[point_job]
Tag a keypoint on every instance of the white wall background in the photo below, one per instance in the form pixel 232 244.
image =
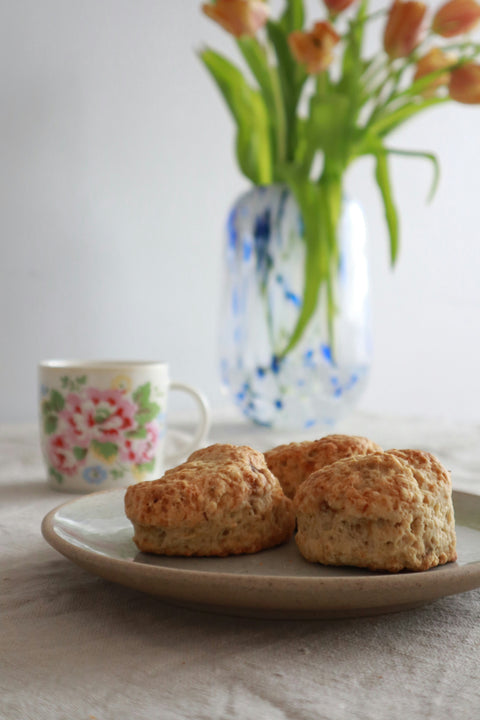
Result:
pixel 115 179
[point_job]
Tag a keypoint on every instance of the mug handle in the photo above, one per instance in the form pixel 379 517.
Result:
pixel 203 426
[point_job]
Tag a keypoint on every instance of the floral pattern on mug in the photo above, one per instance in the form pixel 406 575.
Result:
pixel 101 432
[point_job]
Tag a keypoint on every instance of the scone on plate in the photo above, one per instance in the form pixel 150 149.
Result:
pixel 294 462
pixel 223 501
pixel 385 511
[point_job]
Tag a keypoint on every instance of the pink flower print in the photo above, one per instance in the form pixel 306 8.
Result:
pixel 140 451
pixel 113 414
pixel 79 420
pixel 102 415
pixel 61 455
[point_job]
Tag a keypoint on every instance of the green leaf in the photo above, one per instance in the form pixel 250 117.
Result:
pixel 292 77
pixel 320 208
pixel 327 129
pixel 50 424
pixel 82 380
pixel 101 415
pixel 147 413
pixel 57 402
pixel 269 84
pixel 293 17
pixel 426 156
pixel 140 433
pixel 386 123
pixel 80 453
pixel 142 394
pixel 116 473
pixel 56 475
pixel 146 467
pixel 350 82
pixel 253 144
pixel 106 450
pixel 383 180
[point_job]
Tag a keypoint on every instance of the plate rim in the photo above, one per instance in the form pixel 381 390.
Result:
pixel 408 589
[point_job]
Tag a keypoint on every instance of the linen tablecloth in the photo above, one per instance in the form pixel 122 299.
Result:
pixel 76 647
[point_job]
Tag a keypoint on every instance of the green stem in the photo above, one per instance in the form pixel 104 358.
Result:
pixel 320 205
pixel 281 116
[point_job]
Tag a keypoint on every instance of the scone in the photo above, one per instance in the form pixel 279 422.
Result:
pixel 386 511
pixel 223 501
pixel 293 463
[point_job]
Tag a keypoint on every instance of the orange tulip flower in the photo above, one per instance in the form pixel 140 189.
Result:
pixel 404 28
pixel 239 17
pixel 434 60
pixel 464 86
pixel 337 6
pixel 456 17
pixel 314 49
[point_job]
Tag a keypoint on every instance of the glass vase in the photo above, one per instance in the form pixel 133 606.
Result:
pixel 321 378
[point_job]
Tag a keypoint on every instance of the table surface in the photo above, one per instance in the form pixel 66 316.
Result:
pixel 76 647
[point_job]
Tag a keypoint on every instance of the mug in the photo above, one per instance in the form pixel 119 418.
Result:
pixel 103 423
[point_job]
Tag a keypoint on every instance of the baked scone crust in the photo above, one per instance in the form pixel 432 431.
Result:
pixel 385 511
pixel 222 501
pixel 294 462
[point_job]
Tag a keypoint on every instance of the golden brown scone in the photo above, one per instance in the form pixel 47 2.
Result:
pixel 386 511
pixel 222 501
pixel 293 463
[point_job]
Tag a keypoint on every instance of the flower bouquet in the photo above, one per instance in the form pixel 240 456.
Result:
pixel 313 102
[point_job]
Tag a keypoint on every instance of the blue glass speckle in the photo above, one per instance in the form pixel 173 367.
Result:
pixel 276 364
pixel 278 404
pixel 238 335
pixel 247 248
pixel 261 238
pixel 309 359
pixel 338 392
pixel 261 372
pixel 295 299
pixel 232 229
pixel 310 423
pixel 326 351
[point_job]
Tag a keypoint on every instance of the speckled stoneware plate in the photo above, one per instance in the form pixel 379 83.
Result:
pixel 94 533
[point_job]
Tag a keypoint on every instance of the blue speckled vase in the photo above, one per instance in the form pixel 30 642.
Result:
pixel 315 384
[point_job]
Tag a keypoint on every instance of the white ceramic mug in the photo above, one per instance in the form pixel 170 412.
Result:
pixel 103 423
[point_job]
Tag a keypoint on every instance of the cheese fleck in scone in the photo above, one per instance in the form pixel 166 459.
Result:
pixel 223 501
pixel 294 462
pixel 385 511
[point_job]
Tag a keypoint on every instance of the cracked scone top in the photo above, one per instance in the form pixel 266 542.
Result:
pixel 385 511
pixel 294 462
pixel 222 501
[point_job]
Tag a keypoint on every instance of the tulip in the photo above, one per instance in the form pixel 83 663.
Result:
pixel 404 28
pixel 464 86
pixel 239 17
pixel 337 6
pixel 314 49
pixel 434 60
pixel 456 17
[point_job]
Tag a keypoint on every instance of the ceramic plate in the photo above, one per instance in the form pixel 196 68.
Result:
pixel 94 533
